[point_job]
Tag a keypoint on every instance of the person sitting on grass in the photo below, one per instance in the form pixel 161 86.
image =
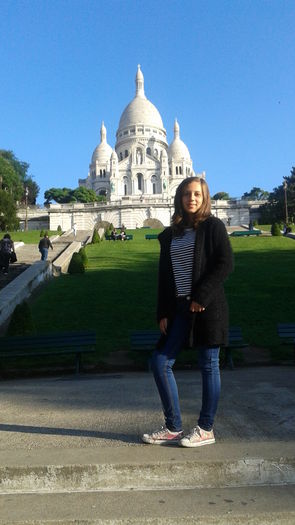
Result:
pixel 114 234
pixel 123 234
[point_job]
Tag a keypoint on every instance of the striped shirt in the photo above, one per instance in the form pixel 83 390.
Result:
pixel 182 257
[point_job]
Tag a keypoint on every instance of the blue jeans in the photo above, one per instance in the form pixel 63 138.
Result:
pixel 162 364
pixel 44 254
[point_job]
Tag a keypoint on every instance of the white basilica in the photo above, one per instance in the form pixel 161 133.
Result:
pixel 139 176
pixel 142 165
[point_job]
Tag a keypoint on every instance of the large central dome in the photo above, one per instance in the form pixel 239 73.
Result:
pixel 140 110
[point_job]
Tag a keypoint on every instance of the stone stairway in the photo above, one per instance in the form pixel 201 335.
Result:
pixel 28 254
pixel 250 484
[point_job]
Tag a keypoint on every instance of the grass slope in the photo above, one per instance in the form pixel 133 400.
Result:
pixel 28 237
pixel 118 291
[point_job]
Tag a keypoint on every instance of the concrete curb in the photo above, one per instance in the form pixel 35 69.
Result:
pixel 147 467
pixel 60 264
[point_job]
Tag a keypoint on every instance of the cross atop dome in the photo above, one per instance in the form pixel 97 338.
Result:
pixel 139 82
pixel 176 130
pixel 103 133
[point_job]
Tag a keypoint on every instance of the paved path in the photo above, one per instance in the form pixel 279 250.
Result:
pixel 112 410
pixel 70 452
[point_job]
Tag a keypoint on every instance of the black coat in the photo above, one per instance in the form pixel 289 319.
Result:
pixel 213 261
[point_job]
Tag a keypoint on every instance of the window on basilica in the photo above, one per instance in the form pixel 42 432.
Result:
pixel 140 181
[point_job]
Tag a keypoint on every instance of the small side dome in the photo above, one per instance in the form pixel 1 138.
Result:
pixel 114 155
pixel 177 149
pixel 103 151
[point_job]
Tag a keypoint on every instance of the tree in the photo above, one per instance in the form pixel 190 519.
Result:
pixel 256 194
pixel 64 195
pixel 221 196
pixel 10 181
pixel 60 195
pixel 274 210
pixel 82 194
pixel 8 218
pixel 20 169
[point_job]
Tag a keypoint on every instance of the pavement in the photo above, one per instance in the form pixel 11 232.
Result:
pixel 70 451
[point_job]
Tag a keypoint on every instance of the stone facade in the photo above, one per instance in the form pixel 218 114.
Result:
pixel 133 213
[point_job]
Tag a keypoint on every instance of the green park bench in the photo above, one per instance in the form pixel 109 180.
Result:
pixel 128 237
pixel 47 345
pixel 286 332
pixel 146 340
pixel 150 236
pixel 243 233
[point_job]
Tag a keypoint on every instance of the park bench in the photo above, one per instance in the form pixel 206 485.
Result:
pixel 150 236
pixel 235 340
pixel 243 233
pixel 286 331
pixel 47 345
pixel 146 340
pixel 128 237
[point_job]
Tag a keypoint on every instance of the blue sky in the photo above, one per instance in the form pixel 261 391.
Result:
pixel 224 68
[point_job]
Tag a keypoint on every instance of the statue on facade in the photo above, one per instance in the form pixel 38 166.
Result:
pixel 139 156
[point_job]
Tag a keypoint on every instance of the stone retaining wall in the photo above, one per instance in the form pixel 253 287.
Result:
pixel 22 286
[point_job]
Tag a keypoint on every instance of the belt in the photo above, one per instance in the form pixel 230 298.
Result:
pixel 183 297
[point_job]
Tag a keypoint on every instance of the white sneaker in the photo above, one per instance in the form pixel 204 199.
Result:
pixel 197 438
pixel 162 437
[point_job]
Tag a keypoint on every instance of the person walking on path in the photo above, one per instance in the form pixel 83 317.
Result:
pixel 44 245
pixel 6 249
pixel 75 230
pixel 195 259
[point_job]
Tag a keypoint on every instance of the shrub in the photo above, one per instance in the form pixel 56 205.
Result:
pixel 76 265
pixel 95 237
pixel 42 233
pixel 21 321
pixel 153 223
pixel 102 224
pixel 59 230
pixel 84 257
pixel 255 223
pixel 275 229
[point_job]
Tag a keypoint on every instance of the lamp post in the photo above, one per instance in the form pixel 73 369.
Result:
pixel 286 202
pixel 26 201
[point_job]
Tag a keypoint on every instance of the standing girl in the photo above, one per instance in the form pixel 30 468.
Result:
pixel 195 259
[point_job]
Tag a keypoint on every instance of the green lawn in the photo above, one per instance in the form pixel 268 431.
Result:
pixel 264 227
pixel 118 291
pixel 115 295
pixel 261 291
pixel 28 237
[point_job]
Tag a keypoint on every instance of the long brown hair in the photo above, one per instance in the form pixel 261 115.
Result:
pixel 180 219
